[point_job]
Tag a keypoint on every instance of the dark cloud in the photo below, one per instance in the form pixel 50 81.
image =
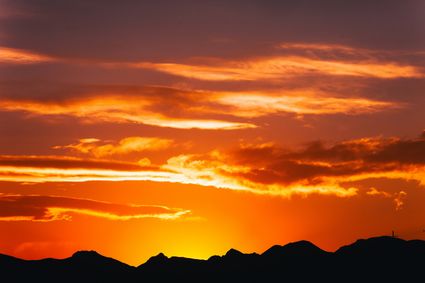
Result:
pixel 271 164
pixel 402 151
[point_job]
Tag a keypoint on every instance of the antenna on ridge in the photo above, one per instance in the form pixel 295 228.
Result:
pixel 393 234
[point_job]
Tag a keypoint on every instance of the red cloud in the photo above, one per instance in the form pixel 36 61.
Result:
pixel 50 208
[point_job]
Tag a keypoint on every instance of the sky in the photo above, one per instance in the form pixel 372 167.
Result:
pixel 194 126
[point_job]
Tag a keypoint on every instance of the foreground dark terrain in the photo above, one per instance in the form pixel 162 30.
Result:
pixel 374 259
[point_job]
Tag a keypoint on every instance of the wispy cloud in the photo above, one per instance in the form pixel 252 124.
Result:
pixel 180 108
pixel 117 109
pixel 126 145
pixel 294 59
pixel 254 104
pixel 51 208
pixel 398 197
pixel 68 163
pixel 280 67
pixel 17 56
pixel 261 169
pixel 30 169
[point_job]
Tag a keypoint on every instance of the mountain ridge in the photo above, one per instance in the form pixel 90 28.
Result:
pixel 379 258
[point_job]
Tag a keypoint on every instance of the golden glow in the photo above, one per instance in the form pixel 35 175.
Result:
pixel 232 183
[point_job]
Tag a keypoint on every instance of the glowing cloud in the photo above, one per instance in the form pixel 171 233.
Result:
pixel 125 146
pixel 209 171
pixel 119 110
pixel 268 169
pixel 302 102
pixel 182 169
pixel 322 47
pixel 150 106
pixel 398 197
pixel 16 56
pixel 270 68
pixel 263 169
pixel 51 208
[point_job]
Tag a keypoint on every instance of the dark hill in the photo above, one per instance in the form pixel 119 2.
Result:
pixel 375 259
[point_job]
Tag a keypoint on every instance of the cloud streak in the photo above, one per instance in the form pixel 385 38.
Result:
pixel 280 67
pixel 307 102
pixel 52 208
pixel 126 145
pixel 39 169
pixel 261 169
pixel 180 108
pixel 117 109
pixel 17 56
pixel 269 169
pixel 296 59
pixel 68 163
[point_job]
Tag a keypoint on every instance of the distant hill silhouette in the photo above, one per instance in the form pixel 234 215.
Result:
pixel 376 259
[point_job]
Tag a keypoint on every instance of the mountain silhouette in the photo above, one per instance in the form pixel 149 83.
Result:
pixel 367 260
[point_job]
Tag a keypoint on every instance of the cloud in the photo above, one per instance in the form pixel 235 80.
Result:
pixel 116 109
pixel 219 170
pixel 304 102
pixel 257 168
pixel 127 145
pixel 36 169
pixel 68 163
pixel 375 192
pixel 397 197
pixel 51 208
pixel 398 200
pixel 349 53
pixel 371 150
pixel 17 56
pixel 183 169
pixel 178 108
pixel 291 60
pixel 363 63
pixel 269 169
pixel 347 159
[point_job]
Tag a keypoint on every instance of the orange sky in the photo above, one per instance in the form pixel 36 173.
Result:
pixel 232 127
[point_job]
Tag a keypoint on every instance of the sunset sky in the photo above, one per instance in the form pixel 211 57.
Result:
pixel 194 126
